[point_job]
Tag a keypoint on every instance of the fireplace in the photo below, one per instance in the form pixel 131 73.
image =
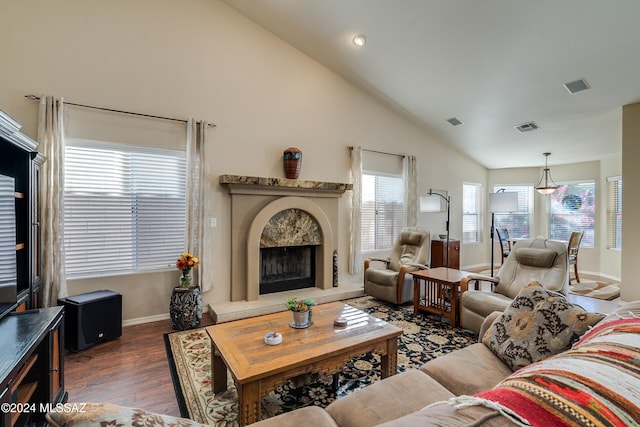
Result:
pixel 270 214
pixel 287 268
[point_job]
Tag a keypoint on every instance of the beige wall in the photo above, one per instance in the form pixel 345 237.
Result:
pixel 199 58
pixel 630 289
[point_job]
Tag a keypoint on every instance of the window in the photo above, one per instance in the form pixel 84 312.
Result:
pixel 471 226
pixel 382 210
pixel 572 208
pixel 614 212
pixel 124 208
pixel 517 223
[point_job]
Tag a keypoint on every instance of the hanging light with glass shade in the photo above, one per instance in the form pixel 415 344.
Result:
pixel 549 185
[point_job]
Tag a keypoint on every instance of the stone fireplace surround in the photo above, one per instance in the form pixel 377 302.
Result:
pixel 254 201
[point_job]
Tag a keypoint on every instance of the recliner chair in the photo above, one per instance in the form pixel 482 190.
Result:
pixel 392 283
pixel 542 260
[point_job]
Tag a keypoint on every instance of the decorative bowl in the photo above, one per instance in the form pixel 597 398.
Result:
pixel 442 236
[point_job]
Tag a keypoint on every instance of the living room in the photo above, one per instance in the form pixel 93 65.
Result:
pixel 292 101
pixel 204 59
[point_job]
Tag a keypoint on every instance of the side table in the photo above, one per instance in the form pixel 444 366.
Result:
pixel 437 291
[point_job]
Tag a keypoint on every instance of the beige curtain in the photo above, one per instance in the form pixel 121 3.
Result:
pixel 410 190
pixel 355 232
pixel 198 240
pixel 52 145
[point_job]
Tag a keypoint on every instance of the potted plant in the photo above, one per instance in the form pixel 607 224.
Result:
pixel 185 308
pixel 301 311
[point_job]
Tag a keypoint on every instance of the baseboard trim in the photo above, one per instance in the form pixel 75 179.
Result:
pixel 147 319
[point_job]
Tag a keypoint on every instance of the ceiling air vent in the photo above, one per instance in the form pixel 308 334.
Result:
pixel 454 121
pixel 526 127
pixel 577 86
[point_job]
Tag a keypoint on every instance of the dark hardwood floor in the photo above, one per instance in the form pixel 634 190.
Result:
pixel 133 370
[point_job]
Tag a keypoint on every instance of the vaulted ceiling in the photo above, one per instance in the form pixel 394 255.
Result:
pixel 492 64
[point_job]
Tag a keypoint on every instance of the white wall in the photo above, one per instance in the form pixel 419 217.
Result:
pixel 200 58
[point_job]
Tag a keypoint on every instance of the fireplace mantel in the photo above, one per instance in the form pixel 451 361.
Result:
pixel 238 184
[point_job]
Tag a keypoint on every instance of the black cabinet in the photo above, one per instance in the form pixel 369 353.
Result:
pixel 31 364
pixel 20 161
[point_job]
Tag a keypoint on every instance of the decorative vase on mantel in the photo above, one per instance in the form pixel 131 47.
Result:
pixel 185 307
pixel 292 162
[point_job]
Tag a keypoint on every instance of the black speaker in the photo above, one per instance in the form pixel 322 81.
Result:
pixel 91 318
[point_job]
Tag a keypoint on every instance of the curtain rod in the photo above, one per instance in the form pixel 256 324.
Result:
pixel 350 147
pixel 37 98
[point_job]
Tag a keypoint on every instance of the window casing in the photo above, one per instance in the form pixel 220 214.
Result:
pixel 572 207
pixel 518 223
pixel 125 208
pixel 614 212
pixel 471 218
pixel 382 210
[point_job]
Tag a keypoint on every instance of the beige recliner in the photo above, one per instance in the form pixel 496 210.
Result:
pixel 542 260
pixel 391 282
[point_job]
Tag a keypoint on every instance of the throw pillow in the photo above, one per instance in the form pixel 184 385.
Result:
pixel 595 383
pixel 538 323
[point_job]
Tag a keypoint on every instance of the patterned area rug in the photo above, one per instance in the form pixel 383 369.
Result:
pixel 589 288
pixel 189 353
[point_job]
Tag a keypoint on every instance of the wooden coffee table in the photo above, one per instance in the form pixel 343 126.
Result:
pixel 257 368
pixel 437 291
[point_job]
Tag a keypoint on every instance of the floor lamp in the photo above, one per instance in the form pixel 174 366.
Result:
pixel 431 203
pixel 500 202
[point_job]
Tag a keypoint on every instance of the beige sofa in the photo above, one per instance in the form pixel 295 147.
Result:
pixel 437 394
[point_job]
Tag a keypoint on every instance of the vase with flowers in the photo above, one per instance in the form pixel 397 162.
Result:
pixel 185 308
pixel 185 263
pixel 301 311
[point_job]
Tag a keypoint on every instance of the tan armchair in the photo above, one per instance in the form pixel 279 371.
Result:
pixel 391 281
pixel 542 260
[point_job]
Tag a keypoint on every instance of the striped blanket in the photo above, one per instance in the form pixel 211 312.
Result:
pixel 595 383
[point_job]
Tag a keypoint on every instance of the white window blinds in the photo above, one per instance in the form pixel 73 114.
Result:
pixel 382 211
pixel 614 213
pixel 572 207
pixel 124 208
pixel 471 227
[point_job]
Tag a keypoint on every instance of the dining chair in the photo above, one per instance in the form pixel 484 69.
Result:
pixel 572 248
pixel 505 243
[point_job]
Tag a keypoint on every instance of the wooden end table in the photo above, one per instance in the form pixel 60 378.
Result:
pixel 258 368
pixel 437 291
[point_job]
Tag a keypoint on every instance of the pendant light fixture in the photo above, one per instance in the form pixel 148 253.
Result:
pixel 549 186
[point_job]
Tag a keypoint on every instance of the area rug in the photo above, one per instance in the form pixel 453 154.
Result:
pixel 189 353
pixel 600 290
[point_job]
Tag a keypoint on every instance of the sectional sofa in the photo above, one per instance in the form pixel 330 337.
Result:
pixel 542 362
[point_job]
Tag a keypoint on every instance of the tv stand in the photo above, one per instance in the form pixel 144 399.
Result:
pixel 31 365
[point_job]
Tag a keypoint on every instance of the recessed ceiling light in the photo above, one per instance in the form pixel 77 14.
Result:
pixel 359 40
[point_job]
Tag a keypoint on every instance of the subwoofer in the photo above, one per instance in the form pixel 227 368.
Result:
pixel 91 318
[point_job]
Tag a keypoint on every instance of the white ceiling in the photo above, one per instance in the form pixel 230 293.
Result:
pixel 493 64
